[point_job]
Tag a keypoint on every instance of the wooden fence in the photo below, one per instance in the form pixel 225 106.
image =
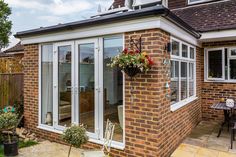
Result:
pixel 11 88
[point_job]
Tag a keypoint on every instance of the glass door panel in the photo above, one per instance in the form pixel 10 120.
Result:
pixel 113 87
pixel 64 86
pixel 87 86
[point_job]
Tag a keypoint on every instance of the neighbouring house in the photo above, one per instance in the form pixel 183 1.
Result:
pixel 67 80
pixel 11 59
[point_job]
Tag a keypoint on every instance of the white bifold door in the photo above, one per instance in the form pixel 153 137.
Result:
pixel 86 90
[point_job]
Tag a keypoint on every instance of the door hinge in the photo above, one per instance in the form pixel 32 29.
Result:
pixel 98 48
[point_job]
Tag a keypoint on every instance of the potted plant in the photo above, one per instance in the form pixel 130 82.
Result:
pixel 75 136
pixel 132 62
pixel 8 122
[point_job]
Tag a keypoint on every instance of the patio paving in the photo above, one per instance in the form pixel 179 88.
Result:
pixel 203 142
pixel 48 149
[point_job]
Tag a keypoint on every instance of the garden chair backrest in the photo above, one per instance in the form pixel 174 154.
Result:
pixel 110 127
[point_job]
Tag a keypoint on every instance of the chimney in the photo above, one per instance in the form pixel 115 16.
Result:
pixel 129 3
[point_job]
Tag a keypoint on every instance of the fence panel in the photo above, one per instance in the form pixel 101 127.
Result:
pixel 11 88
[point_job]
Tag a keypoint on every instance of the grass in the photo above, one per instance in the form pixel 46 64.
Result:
pixel 22 144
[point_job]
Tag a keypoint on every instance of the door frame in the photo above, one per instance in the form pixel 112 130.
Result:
pixel 97 86
pixel 56 83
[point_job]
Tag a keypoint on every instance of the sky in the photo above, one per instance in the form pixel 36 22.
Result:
pixel 31 14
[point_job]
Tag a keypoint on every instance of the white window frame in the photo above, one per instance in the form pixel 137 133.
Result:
pixel 207 65
pixel 229 57
pixel 188 60
pixel 197 2
pixel 114 144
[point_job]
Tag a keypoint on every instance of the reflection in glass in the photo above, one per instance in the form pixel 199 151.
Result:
pixel 64 85
pixel 191 79
pixel 184 51
pixel 184 83
pixel 215 61
pixel 113 88
pixel 232 66
pixel 47 84
pixel 191 53
pixel 174 86
pixel 86 94
pixel 175 48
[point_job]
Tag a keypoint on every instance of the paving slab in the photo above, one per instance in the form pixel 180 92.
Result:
pixel 48 149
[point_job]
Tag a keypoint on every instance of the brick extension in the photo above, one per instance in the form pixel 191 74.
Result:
pixel 212 92
pixel 152 130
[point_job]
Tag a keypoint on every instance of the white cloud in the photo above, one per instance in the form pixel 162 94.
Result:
pixel 55 7
pixel 30 4
pixel 73 6
pixel 51 19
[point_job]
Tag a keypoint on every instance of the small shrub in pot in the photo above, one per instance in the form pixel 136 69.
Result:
pixel 75 136
pixel 8 122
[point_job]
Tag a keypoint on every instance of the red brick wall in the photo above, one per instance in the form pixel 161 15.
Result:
pixel 174 4
pixel 151 130
pixel 212 92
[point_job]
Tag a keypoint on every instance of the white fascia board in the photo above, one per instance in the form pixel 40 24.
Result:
pixel 106 29
pixel 114 28
pixel 218 36
pixel 178 32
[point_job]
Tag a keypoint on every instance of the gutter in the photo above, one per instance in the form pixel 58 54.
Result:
pixel 156 10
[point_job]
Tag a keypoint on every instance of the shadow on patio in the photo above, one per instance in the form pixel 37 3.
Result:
pixel 203 142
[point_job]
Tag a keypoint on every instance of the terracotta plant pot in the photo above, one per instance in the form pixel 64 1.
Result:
pixel 132 71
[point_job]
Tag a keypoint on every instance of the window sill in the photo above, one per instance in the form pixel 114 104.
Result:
pixel 183 103
pixel 221 81
pixel 116 145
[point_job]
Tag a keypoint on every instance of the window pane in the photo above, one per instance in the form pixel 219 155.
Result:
pixel 215 64
pixel 86 79
pixel 233 52
pixel 47 84
pixel 191 53
pixel 232 69
pixel 113 88
pixel 191 79
pixel 183 80
pixel 175 48
pixel 64 85
pixel 174 86
pixel 184 51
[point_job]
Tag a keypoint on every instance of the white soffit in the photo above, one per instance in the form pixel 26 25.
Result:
pixel 223 35
pixel 114 28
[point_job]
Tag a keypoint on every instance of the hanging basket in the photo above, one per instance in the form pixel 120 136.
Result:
pixel 132 71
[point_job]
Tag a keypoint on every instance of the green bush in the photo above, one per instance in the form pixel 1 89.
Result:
pixel 8 120
pixel 75 136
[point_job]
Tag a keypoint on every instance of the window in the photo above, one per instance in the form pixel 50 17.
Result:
pixel 113 87
pixel 46 84
pixel 198 1
pixel 215 60
pixel 220 64
pixel 76 86
pixel 183 84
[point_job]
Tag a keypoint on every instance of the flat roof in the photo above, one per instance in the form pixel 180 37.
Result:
pixel 156 10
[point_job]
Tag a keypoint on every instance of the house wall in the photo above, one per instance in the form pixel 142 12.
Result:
pixel 212 92
pixel 175 4
pixel 151 129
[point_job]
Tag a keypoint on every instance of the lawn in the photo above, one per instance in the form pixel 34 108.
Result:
pixel 22 144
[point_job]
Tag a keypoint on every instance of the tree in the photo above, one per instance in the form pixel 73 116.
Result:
pixel 5 24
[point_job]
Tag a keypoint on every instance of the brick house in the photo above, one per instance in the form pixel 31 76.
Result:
pixel 193 45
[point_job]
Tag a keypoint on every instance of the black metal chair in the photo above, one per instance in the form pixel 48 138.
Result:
pixel 232 124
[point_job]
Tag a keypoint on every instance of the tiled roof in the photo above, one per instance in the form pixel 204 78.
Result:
pixel 206 17
pixel 210 17
pixel 17 48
